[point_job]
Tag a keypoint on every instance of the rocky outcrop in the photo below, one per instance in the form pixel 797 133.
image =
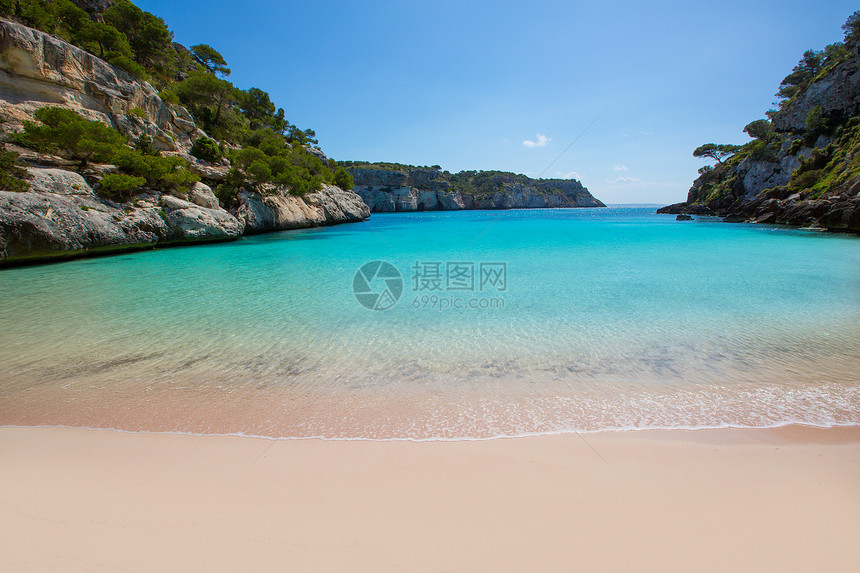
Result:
pixel 277 210
pixel 427 190
pixel 837 94
pixel 38 70
pixel 63 218
pixel 794 175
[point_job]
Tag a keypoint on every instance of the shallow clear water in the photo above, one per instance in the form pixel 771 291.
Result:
pixel 538 321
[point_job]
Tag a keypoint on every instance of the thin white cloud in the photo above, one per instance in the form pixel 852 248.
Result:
pixel 620 168
pixel 624 180
pixel 541 141
pixel 568 175
pixel 646 132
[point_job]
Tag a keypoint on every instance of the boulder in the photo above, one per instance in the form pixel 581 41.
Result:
pixel 190 222
pixel 279 210
pixel 37 226
pixel 58 181
pixel 202 195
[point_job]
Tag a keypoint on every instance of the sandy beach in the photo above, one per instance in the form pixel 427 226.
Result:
pixel 710 500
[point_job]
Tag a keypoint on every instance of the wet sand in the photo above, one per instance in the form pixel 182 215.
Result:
pixel 711 500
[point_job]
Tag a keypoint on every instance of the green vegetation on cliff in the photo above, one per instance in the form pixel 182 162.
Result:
pixel 12 176
pixel 63 131
pixel 126 36
pixel 243 126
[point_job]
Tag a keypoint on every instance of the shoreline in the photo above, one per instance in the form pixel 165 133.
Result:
pixel 802 426
pixel 670 500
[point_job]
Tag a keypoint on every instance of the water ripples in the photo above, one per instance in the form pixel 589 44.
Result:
pixel 613 320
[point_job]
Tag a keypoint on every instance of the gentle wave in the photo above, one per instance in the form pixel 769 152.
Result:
pixel 442 439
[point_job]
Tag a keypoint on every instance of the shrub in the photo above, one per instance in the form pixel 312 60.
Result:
pixel 228 190
pixel 815 122
pixel 206 149
pixel 795 146
pixel 115 185
pixel 158 171
pixel 64 131
pixel 343 179
pixel 143 144
pixel 806 179
pixel 137 112
pixel 244 158
pixel 130 66
pixel 169 96
pixel 11 175
pixel 260 171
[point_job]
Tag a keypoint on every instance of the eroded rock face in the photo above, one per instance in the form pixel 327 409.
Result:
pixel 62 218
pixel 58 181
pixel 838 95
pixel 38 70
pixel 278 210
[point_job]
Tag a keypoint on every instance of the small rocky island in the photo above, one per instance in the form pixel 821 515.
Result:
pixel 802 167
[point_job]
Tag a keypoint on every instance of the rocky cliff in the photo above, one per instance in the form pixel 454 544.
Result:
pixel 37 70
pixel 802 168
pixel 61 216
pixel 421 189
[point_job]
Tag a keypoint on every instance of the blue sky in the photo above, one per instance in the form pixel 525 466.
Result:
pixel 510 85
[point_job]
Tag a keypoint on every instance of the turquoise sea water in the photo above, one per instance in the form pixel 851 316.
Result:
pixel 537 321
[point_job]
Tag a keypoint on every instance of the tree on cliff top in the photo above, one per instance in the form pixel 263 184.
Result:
pixel 211 59
pixel 759 129
pixel 851 27
pixel 148 35
pixel 257 106
pixel 716 151
pixel 211 100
